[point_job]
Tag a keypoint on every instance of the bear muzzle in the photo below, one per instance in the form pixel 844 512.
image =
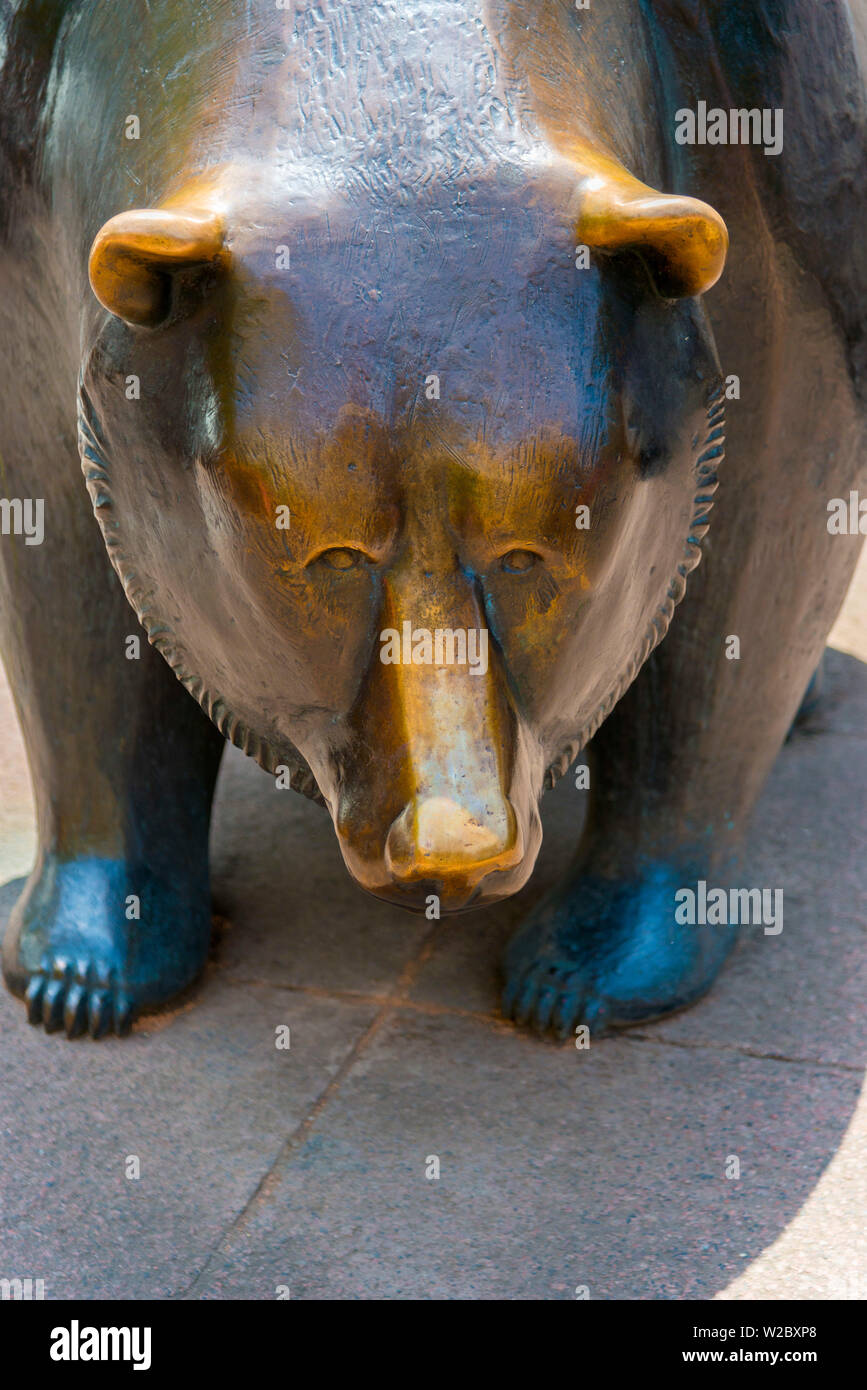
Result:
pixel 436 791
pixel 436 843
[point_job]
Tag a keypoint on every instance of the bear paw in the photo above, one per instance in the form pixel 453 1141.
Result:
pixel 609 954
pixel 91 943
pixel 79 998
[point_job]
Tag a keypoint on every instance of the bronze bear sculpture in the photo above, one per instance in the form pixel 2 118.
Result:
pixel 400 408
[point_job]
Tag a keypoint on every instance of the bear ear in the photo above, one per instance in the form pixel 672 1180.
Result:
pixel 683 242
pixel 134 256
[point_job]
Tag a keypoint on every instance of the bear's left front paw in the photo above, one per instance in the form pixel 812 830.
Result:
pixel 609 954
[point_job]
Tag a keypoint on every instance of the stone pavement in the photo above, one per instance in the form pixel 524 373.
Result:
pixel 305 1167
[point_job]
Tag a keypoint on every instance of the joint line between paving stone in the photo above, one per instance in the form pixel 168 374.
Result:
pixel 635 1035
pixel 293 1142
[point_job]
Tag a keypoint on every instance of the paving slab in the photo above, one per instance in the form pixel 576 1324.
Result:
pixel 558 1168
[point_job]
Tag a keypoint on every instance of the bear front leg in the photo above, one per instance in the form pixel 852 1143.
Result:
pixel 670 798
pixel 115 916
pixel 675 773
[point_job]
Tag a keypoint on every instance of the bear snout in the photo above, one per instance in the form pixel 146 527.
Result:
pixel 436 843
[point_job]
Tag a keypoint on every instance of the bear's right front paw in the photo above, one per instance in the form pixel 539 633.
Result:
pixel 78 998
pixel 92 943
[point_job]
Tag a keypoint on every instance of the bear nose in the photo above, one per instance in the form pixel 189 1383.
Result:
pixel 436 840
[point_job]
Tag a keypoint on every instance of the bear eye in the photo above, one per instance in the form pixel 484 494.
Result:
pixel 340 558
pixel 519 561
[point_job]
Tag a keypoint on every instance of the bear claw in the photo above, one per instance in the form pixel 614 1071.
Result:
pixel 59 996
pixel 551 1005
